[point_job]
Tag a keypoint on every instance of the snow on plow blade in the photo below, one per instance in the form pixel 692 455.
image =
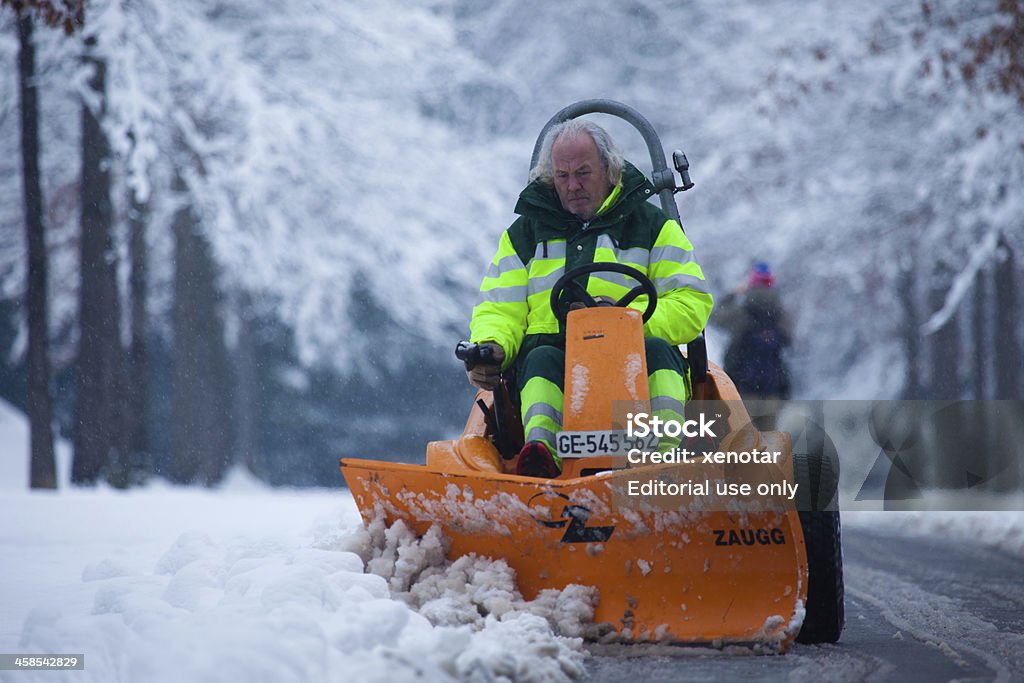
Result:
pixel 714 576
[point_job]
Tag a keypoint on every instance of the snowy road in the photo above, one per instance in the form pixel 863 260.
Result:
pixel 917 609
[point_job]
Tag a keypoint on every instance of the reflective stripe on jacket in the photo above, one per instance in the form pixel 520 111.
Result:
pixel 546 241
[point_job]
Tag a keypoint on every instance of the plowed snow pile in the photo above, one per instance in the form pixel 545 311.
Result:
pixel 247 583
pixel 512 638
pixel 80 576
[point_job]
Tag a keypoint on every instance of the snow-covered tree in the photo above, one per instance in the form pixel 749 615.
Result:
pixel 351 165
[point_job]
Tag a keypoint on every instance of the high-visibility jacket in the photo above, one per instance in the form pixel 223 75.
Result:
pixel 547 240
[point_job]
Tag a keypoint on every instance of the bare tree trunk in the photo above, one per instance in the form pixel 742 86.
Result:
pixel 43 471
pixel 138 357
pixel 979 335
pixel 99 395
pixel 201 447
pixel 1008 341
pixel 946 355
pixel 246 443
pixel 911 332
pixel 183 467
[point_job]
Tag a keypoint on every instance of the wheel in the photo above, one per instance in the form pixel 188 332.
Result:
pixel 818 483
pixel 826 613
pixel 817 503
pixel 567 283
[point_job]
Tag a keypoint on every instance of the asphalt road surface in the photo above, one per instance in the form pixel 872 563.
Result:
pixel 917 609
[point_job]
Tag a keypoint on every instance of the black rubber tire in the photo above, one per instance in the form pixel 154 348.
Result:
pixel 828 482
pixel 817 482
pixel 806 488
pixel 826 612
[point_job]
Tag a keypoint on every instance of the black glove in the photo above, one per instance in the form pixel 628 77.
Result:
pixel 488 375
pixel 601 299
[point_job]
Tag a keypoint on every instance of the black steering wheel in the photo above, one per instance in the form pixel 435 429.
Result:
pixel 568 283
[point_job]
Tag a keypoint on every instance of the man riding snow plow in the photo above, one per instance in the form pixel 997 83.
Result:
pixel 615 483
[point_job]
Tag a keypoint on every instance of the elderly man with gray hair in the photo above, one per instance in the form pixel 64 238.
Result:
pixel 584 204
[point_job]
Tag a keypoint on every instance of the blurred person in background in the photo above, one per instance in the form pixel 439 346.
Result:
pixel 759 331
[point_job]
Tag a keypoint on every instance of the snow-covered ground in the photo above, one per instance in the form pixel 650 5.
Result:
pixel 250 583
pixel 1003 530
pixel 255 584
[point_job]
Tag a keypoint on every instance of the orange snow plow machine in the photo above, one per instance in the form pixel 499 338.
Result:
pixel 676 554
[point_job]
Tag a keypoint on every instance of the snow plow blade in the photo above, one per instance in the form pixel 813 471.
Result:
pixel 712 577
pixel 696 567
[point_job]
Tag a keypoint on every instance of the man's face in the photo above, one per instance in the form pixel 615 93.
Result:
pixel 580 179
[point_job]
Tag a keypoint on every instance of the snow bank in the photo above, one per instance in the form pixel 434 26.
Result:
pixel 251 583
pixel 512 638
pixel 168 584
pixel 1002 530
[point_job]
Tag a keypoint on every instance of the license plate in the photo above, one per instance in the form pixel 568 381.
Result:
pixel 602 442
